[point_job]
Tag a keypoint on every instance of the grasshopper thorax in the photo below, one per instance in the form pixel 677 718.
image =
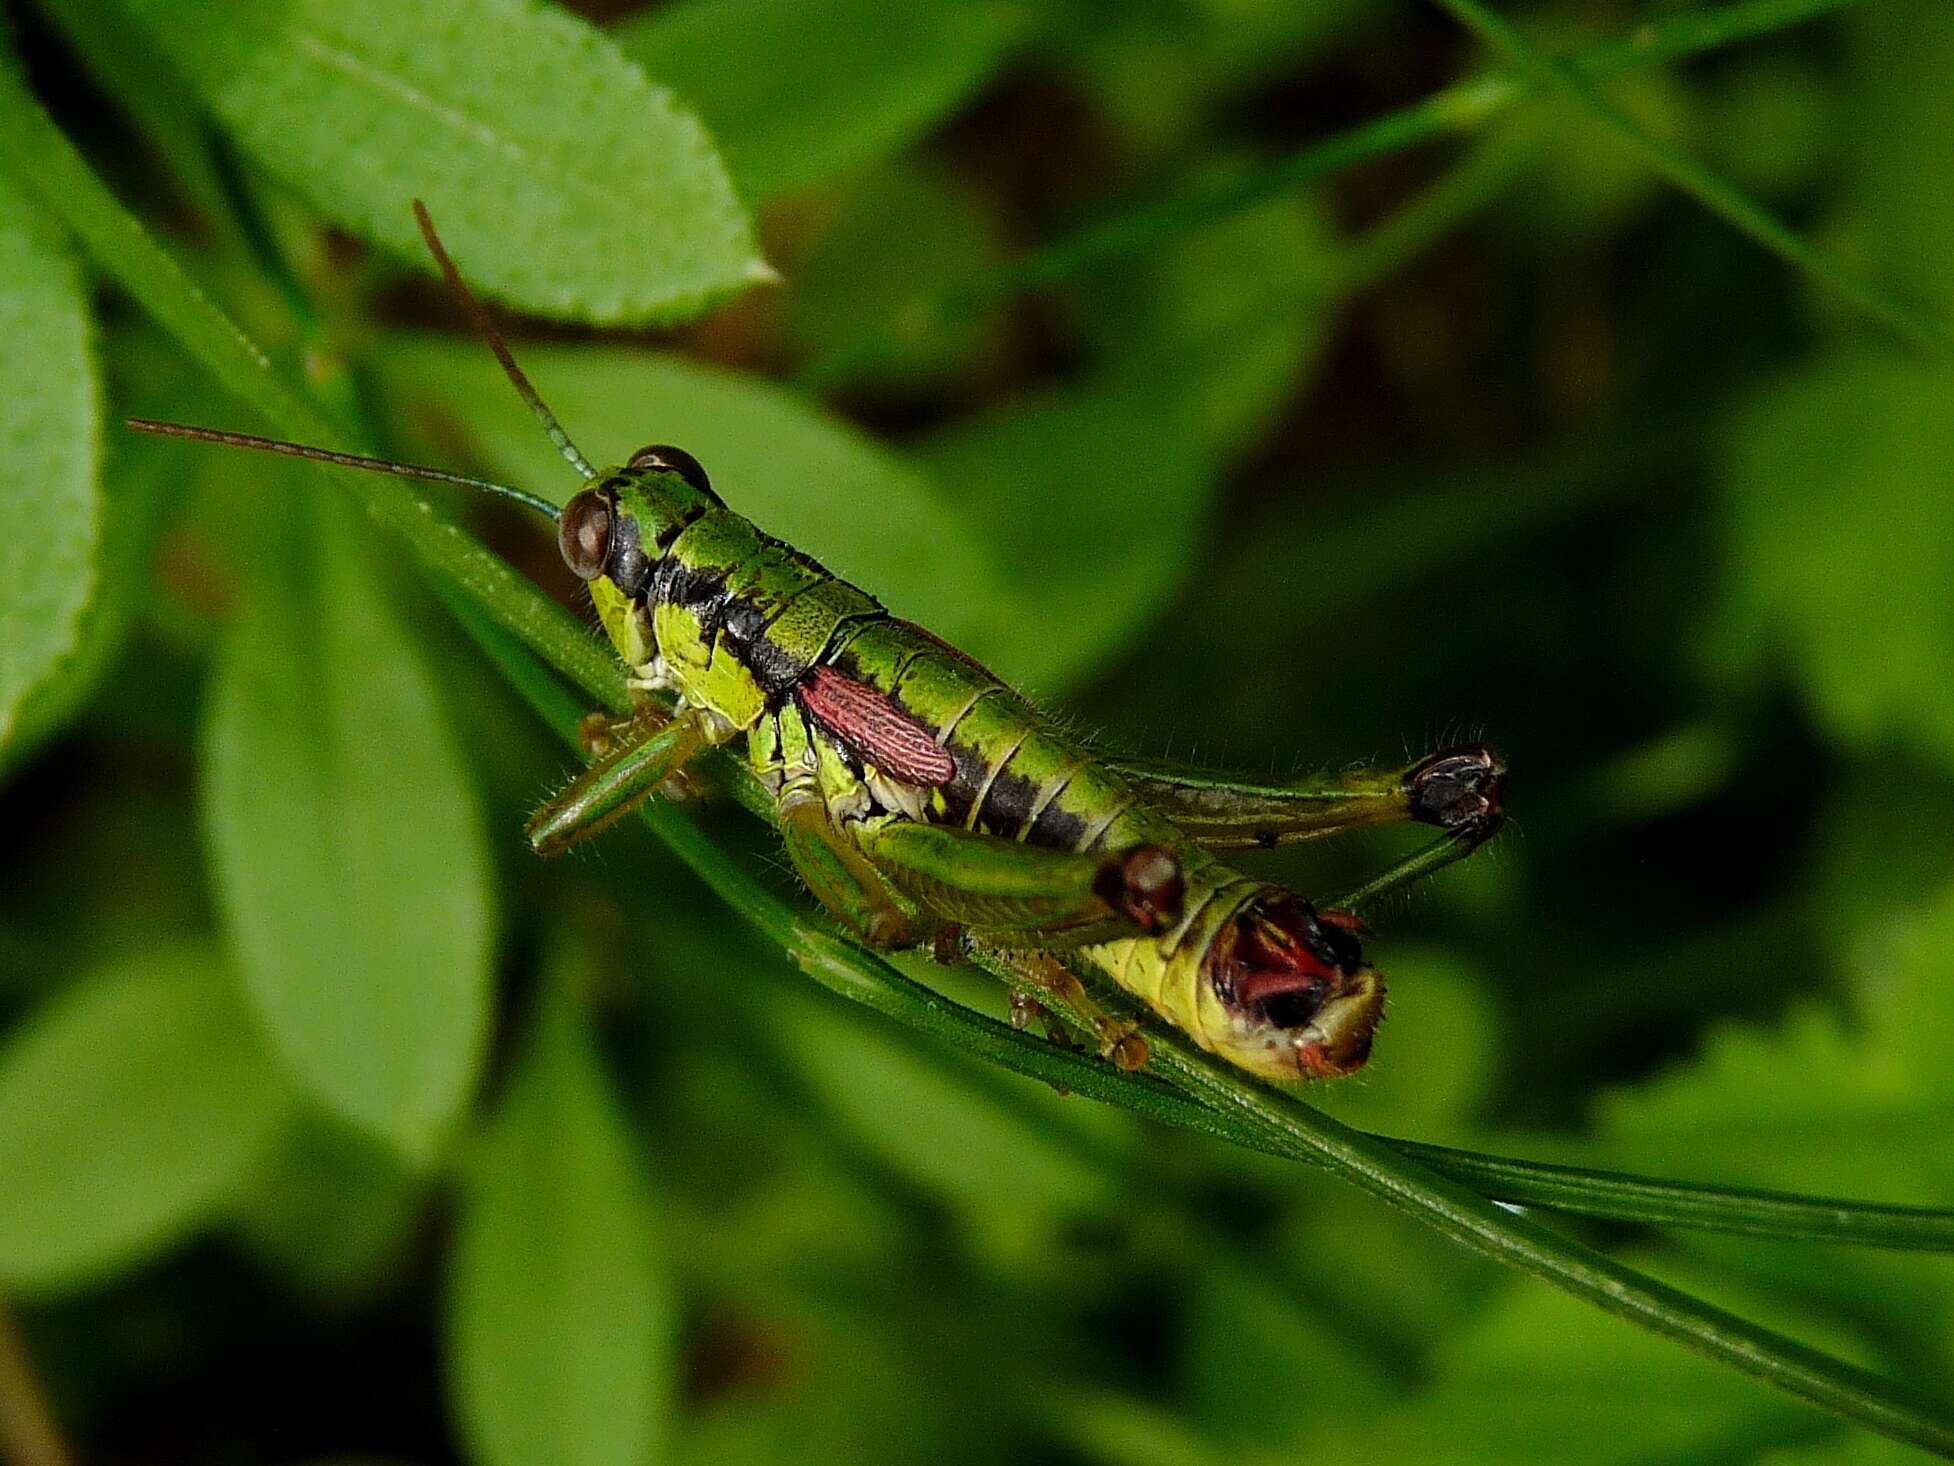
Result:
pixel 618 529
pixel 613 535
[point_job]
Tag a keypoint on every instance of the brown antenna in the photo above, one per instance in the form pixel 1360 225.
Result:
pixel 486 329
pixel 344 460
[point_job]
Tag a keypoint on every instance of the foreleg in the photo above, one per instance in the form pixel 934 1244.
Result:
pixel 645 756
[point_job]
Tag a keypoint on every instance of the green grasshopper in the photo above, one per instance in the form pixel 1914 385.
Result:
pixel 923 801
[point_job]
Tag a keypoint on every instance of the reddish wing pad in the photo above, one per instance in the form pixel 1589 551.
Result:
pixel 880 732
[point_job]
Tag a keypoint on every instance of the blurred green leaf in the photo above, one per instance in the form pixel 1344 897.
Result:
pixel 1776 123
pixel 836 1384
pixel 563 181
pixel 1161 68
pixel 122 64
pixel 1909 1009
pixel 1590 184
pixel 1414 1291
pixel 561 1320
pixel 1098 494
pixel 1538 1378
pixel 331 1210
pixel 1800 1105
pixel 818 484
pixel 1247 1330
pixel 1869 296
pixel 887 74
pixel 1122 1430
pixel 133 1106
pixel 1099 491
pixel 1438 1068
pixel 953 1134
pixel 1902 111
pixel 1852 1449
pixel 1842 539
pixel 866 300
pixel 49 441
pixel 1818 1103
pixel 346 846
pixel 1234 315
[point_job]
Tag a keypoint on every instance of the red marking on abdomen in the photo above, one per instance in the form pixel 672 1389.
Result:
pixel 880 732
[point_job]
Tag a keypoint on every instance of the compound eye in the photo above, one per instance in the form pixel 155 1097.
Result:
pixel 583 533
pixel 673 460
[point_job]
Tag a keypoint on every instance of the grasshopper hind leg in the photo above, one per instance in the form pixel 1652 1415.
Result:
pixel 1460 790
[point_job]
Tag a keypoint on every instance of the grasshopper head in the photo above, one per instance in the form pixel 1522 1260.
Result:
pixel 613 536
pixel 1302 1000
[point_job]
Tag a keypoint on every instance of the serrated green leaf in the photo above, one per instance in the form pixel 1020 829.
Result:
pixel 135 490
pixel 1822 468
pixel 49 432
pixel 133 1106
pixel 347 849
pixel 800 91
pixel 1798 1106
pixel 561 1319
pixel 818 484
pixel 563 181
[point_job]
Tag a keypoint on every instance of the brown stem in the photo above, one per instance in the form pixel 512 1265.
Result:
pixel 28 1433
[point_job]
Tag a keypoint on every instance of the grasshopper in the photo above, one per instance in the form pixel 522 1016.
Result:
pixel 922 801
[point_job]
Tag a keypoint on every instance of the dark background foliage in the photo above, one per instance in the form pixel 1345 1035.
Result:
pixel 335 1126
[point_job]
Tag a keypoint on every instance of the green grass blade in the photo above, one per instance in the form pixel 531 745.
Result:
pixel 1686 33
pixel 1231 1106
pixel 1745 1211
pixel 864 977
pixel 1716 194
pixel 1371 1164
pixel 1461 108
